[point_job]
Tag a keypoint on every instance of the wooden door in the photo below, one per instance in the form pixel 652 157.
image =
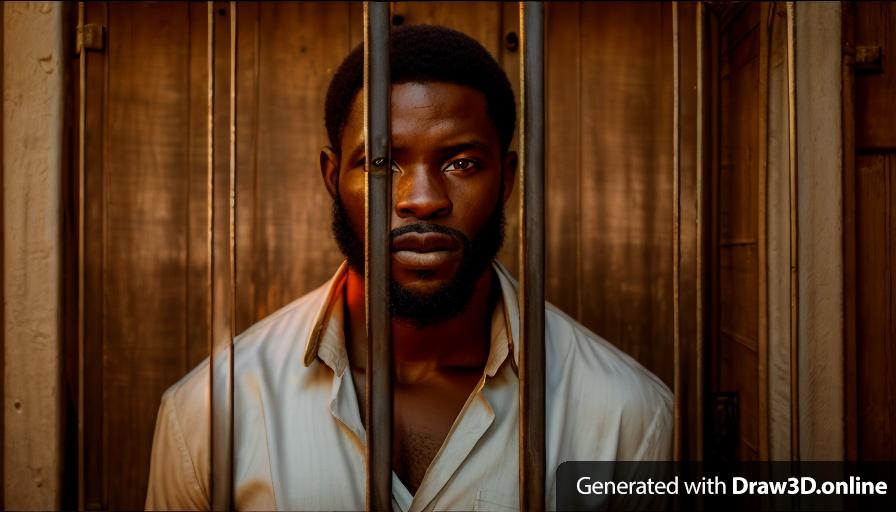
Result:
pixel 870 233
pixel 609 197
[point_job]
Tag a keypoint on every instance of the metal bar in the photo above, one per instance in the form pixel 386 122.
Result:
pixel 794 237
pixel 678 392
pixel 378 208
pixel 532 350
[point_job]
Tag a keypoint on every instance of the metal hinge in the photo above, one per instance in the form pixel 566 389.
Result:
pixel 90 36
pixel 868 60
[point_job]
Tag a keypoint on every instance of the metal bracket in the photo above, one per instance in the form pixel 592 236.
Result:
pixel 868 60
pixel 90 36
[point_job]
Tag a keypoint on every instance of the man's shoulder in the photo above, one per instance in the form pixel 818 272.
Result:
pixel 580 357
pixel 614 408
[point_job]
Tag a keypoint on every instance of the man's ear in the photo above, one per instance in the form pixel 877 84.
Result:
pixel 508 167
pixel 329 170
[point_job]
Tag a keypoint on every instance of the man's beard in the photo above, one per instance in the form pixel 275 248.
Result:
pixel 447 301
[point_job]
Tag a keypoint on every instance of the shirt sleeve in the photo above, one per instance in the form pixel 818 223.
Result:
pixel 173 482
pixel 657 444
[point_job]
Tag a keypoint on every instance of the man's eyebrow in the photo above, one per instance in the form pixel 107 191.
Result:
pixel 453 149
pixel 464 146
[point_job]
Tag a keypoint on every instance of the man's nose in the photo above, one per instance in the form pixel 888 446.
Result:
pixel 421 193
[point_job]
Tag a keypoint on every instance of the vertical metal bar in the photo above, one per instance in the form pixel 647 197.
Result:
pixel 210 238
pixel 676 237
pixel 532 350
pixel 231 463
pixel 701 148
pixel 378 207
pixel 82 189
pixel 794 236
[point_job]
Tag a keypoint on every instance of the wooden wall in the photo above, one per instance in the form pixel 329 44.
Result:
pixel 609 197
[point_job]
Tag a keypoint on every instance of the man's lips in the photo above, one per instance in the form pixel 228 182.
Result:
pixel 424 251
pixel 424 242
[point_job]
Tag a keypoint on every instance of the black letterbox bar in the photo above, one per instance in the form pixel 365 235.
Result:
pixel 532 350
pixel 378 223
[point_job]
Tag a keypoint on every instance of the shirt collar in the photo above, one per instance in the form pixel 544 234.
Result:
pixel 327 338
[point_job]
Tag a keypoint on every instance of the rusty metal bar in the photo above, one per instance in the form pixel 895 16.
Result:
pixel 532 350
pixel 376 276
pixel 794 237
pixel 678 392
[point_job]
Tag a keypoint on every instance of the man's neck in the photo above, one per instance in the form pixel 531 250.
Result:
pixel 460 343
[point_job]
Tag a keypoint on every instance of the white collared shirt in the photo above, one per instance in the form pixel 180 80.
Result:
pixel 299 440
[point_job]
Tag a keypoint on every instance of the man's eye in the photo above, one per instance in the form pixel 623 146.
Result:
pixel 461 164
pixel 361 163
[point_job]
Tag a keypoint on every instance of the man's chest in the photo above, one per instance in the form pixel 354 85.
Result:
pixel 422 423
pixel 310 454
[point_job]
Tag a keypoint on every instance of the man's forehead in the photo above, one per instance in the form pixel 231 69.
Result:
pixel 441 106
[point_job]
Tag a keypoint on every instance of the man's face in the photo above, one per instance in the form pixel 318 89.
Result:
pixel 450 181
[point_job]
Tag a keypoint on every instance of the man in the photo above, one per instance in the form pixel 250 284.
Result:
pixel 300 373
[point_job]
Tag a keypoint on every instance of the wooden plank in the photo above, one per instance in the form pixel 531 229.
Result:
pixel 761 230
pixel 738 285
pixel 479 20
pixel 876 350
pixel 145 242
pixel 564 155
pixel 851 396
pixel 736 316
pixel 509 58
pixel 626 186
pixel 91 464
pixel 738 177
pixel 301 44
pixel 689 240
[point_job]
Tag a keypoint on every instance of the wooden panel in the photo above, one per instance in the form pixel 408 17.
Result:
pixel 869 220
pixel 626 179
pixel 739 157
pixel 738 297
pixel 564 154
pixel 735 330
pixel 480 20
pixel 875 328
pixel 94 251
pixel 875 93
pixel 145 237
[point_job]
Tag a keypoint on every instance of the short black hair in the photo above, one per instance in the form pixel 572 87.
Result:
pixel 426 53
